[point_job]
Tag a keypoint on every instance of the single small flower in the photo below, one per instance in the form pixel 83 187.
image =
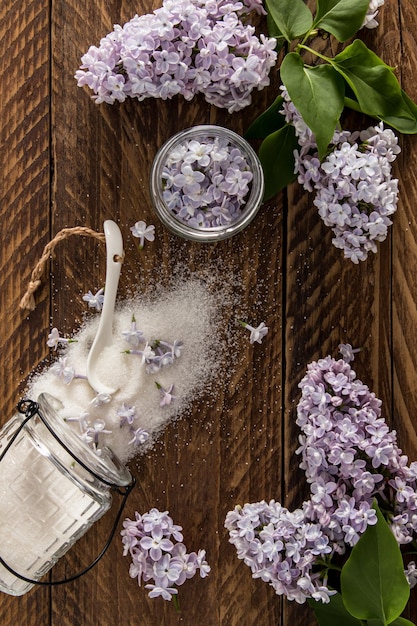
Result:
pixel 126 414
pixel 134 336
pixel 95 301
pixel 143 232
pixel 54 339
pixel 100 399
pixel 166 394
pixel 347 352
pixel 256 334
pixel 93 432
pixel 140 435
pixel 64 370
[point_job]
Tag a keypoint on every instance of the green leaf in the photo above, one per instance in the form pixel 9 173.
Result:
pixel 292 17
pixel 268 122
pixel 277 159
pixel 401 621
pixel 404 125
pixel 318 94
pixel 372 81
pixel 341 18
pixel 373 583
pixel 333 613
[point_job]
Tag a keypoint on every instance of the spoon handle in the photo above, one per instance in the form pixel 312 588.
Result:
pixel 104 335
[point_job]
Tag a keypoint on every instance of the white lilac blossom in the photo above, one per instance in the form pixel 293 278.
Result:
pixel 370 21
pixel 95 301
pixel 159 556
pixel 185 47
pixel 350 458
pixel 143 232
pixel 205 183
pixel 355 193
pixel 256 334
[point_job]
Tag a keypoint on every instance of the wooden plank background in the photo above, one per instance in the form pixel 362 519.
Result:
pixel 67 162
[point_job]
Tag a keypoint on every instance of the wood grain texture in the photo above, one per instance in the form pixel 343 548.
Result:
pixel 67 162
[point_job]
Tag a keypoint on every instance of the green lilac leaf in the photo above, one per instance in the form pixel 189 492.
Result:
pixel 277 159
pixel 268 122
pixel 341 18
pixel 292 17
pixel 333 613
pixel 401 621
pixel 317 93
pixel 373 583
pixel 373 83
pixel 404 125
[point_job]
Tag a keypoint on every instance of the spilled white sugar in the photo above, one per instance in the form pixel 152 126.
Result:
pixel 193 312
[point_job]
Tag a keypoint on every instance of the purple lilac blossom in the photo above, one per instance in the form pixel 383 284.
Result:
pixel 206 182
pixel 155 545
pixel 185 47
pixel 350 457
pixel 354 192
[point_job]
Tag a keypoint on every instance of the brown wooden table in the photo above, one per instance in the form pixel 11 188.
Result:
pixel 66 162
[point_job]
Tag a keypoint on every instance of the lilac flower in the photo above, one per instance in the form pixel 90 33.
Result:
pixel 127 414
pixel 165 592
pixel 64 370
pixel 256 334
pixel 206 182
pixel 54 339
pixel 95 301
pixel 100 399
pixel 347 352
pixel 355 193
pixel 134 336
pixel 93 432
pixel 142 232
pixel 350 458
pixel 140 436
pixel 166 394
pixel 155 557
pixel 185 47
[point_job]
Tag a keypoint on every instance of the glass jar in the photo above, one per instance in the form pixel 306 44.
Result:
pixel 53 487
pixel 203 232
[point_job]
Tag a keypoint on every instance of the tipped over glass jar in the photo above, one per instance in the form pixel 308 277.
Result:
pixel 206 183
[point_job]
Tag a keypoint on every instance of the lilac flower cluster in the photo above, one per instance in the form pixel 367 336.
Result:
pixel 155 355
pixel 280 547
pixel 155 545
pixel 206 182
pixel 185 47
pixel 350 457
pixel 355 193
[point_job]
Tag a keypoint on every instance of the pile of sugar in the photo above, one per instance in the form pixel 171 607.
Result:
pixel 192 311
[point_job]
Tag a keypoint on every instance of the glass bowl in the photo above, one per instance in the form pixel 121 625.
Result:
pixel 169 163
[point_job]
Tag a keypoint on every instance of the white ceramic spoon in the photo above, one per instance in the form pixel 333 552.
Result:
pixel 104 336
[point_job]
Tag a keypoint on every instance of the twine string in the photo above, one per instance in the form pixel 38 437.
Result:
pixel 28 300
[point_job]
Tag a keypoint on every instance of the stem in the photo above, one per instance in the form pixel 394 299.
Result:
pixel 317 54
